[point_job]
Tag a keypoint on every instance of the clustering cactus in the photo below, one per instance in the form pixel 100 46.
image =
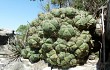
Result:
pixel 61 37
pixel 30 54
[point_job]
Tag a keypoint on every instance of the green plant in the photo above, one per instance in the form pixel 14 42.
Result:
pixel 60 37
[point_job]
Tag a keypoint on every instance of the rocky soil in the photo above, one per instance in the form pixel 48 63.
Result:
pixel 24 64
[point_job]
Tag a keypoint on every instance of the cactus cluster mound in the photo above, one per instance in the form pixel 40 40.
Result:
pixel 61 37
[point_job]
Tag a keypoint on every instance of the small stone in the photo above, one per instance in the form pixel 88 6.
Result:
pixel 92 57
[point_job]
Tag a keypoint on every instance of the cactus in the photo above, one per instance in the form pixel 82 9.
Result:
pixel 60 37
pixel 34 40
pixel 34 57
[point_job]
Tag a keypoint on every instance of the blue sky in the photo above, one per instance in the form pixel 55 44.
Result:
pixel 16 12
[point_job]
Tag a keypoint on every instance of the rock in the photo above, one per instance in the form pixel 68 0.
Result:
pixel 15 66
pixel 47 68
pixel 41 65
pixel 5 35
pixel 4 32
pixel 3 40
pixel 4 50
pixel 92 57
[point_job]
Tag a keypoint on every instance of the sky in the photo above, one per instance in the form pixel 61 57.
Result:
pixel 14 13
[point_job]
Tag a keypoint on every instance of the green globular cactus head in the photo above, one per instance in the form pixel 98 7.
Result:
pixel 79 42
pixel 66 31
pixel 47 26
pixel 55 22
pixel 51 53
pixel 50 26
pixel 41 16
pixel 48 16
pixel 24 53
pixel 35 23
pixel 32 30
pixel 56 12
pixel 40 32
pixel 60 47
pixel 62 10
pixel 34 58
pixel 61 55
pixel 33 41
pixel 49 40
pixel 70 12
pixel 73 62
pixel 59 41
pixel 47 47
pixel 84 47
